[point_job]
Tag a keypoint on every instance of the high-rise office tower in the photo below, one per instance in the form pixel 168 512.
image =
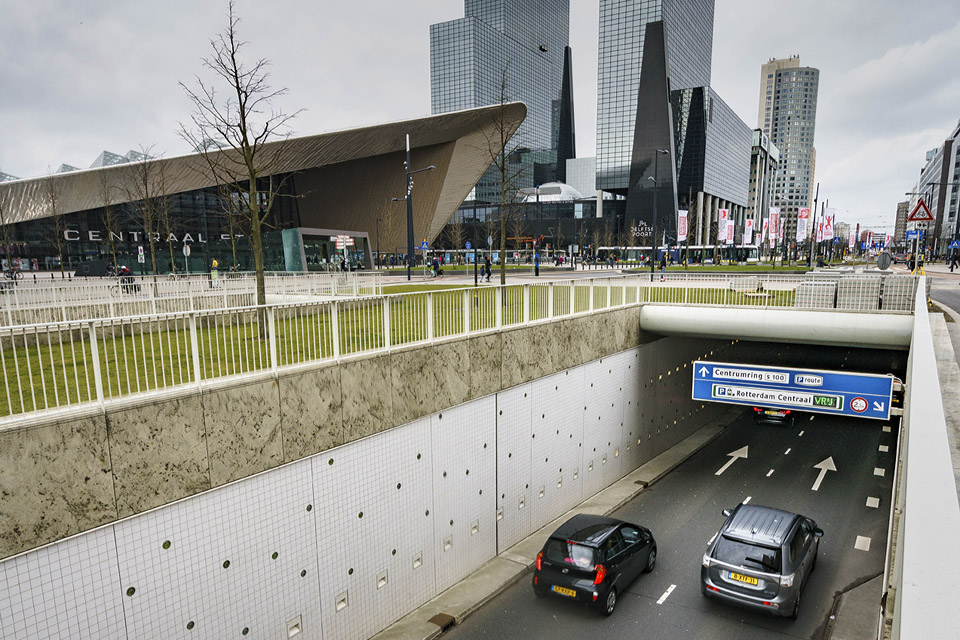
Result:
pixel 517 50
pixel 623 23
pixel 788 115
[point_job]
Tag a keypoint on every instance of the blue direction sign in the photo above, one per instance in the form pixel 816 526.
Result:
pixel 862 395
pixel 468 245
pixel 914 234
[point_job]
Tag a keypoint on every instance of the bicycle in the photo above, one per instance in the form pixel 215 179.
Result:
pixel 13 274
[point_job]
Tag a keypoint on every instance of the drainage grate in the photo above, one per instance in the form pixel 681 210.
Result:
pixel 443 621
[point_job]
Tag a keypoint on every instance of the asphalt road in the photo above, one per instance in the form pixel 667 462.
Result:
pixel 684 512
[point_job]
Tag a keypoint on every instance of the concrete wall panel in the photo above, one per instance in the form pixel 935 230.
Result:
pixel 367 401
pixel 312 406
pixel 55 481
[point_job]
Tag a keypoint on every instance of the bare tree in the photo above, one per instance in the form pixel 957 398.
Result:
pixel 233 134
pixel 145 186
pixel 168 226
pixel 518 229
pixel 109 216
pixel 56 224
pixel 456 233
pixel 501 148
pixel 607 233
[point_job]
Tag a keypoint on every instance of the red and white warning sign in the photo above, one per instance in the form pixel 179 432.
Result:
pixel 920 213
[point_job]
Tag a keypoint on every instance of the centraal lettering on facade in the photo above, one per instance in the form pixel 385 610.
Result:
pixel 752 374
pixel 95 235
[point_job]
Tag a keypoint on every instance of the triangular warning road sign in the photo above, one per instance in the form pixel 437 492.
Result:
pixel 920 213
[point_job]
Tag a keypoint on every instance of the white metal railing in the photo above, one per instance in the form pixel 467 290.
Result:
pixel 86 364
pixel 32 301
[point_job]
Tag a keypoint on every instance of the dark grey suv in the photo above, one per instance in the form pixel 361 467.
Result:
pixel 760 559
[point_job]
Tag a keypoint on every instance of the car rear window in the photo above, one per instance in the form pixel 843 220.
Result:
pixel 748 556
pixel 571 553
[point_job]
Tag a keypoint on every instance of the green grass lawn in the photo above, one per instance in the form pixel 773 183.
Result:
pixel 46 370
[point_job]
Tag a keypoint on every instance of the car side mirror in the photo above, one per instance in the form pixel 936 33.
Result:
pixel 727 513
pixel 818 532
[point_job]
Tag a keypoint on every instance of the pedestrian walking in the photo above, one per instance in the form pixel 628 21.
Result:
pixel 663 267
pixel 953 261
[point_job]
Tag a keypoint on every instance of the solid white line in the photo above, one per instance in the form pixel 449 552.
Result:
pixel 747 501
pixel 801 434
pixel 770 473
pixel 666 594
pixel 884 448
pixel 862 543
pixel 787 452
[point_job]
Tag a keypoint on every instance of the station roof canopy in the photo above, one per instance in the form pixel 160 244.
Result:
pixel 464 135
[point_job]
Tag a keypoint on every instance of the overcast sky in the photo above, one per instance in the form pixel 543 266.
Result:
pixel 82 76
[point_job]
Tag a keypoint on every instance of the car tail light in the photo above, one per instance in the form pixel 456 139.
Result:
pixel 539 561
pixel 712 588
pixel 601 572
pixel 786 412
pixel 535 581
pixel 757 409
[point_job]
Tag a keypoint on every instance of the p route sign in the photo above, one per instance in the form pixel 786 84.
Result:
pixel 861 395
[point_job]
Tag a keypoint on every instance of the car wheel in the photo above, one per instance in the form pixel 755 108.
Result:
pixel 796 608
pixel 611 602
pixel 651 561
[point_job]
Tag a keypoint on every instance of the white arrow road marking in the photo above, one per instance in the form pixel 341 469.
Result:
pixel 666 594
pixel 878 406
pixel 704 371
pixel 824 466
pixel 739 453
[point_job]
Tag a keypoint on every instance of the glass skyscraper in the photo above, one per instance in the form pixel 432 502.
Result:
pixel 689 46
pixel 788 114
pixel 517 50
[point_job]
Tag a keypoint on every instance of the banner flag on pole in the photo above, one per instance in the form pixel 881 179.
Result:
pixel 731 228
pixel 828 224
pixel 803 215
pixel 774 225
pixel 820 231
pixel 681 224
pixel 853 239
pixel 748 231
pixel 723 218
pixel 763 231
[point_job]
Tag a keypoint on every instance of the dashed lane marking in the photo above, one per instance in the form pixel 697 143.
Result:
pixel 862 544
pixel 886 429
pixel 877 471
pixel 747 500
pixel 811 417
pixel 770 473
pixel 666 594
pixel 787 452
pixel 873 503
pixel 801 434
pixel 884 448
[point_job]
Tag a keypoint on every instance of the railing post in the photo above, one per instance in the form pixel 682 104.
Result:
pixel 467 308
pixel 272 338
pixel 609 292
pixel 592 282
pixel 498 312
pixel 95 355
pixel 195 349
pixel 430 316
pixel 573 297
pixel 386 322
pixel 335 329
pixel 525 317
pixel 550 301
pixel 153 299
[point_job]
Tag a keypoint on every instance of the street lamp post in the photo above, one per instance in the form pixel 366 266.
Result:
pixel 656 187
pixel 409 198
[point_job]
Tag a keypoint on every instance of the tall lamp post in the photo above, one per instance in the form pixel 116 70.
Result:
pixel 656 187
pixel 409 198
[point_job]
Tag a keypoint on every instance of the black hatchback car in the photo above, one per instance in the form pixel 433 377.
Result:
pixel 769 415
pixel 590 559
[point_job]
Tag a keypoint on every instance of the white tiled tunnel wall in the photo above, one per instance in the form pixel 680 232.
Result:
pixel 601 424
pixel 556 438
pixel 632 452
pixel 513 465
pixel 67 590
pixel 205 567
pixel 465 485
pixel 376 567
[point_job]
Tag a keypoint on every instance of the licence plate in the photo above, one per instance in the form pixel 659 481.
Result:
pixel 779 414
pixel 564 591
pixel 745 579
